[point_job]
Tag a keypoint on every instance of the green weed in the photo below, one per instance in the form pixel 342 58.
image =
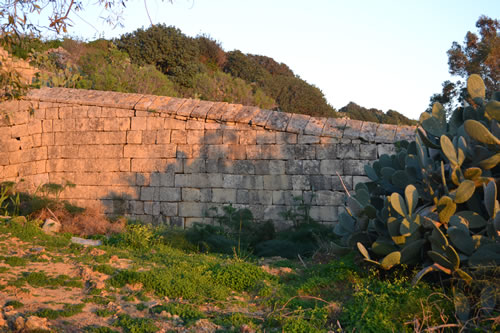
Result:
pixel 135 325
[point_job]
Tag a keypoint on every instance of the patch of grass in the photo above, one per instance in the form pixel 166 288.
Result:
pixel 31 232
pixel 135 325
pixel 68 310
pixel 104 312
pixel 99 329
pixel 4 269
pixel 105 269
pixel 99 300
pixel 239 276
pixel 15 261
pixel 14 303
pixel 187 312
pixel 40 279
pixel 235 320
pixel 141 306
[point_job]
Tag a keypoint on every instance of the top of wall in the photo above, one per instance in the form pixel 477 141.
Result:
pixel 229 113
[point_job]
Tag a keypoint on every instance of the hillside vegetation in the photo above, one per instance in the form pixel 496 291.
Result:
pixel 162 60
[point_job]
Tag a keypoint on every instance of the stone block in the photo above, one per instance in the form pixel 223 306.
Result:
pixel 134 137
pixel 355 167
pixel 331 167
pixel 192 209
pixel 163 136
pixel 278 121
pixel 260 197
pixel 386 133
pixel 304 152
pixel 230 136
pixel 334 127
pixel 169 208
pixel 320 182
pixel 274 213
pixel 326 151
pixel 170 194
pixel 150 151
pixel 213 137
pixel 324 213
pixel 368 151
pixel 359 179
pixel 243 167
pixel 266 137
pixel 386 148
pixel 308 139
pixel 174 124
pixel 368 131
pixel 297 123
pixel 224 195
pixel 315 126
pixel 242 196
pixel 178 136
pixel 147 193
pixel 35 127
pixel 348 151
pixel 286 138
pixel 167 179
pixel 329 198
pixel 152 208
pixel 149 137
pixel 352 129
pixel 117 124
pixel 248 138
pixel 195 136
pixel 338 184
pixel 311 167
pixel 194 166
pixel 235 152
pixel 300 182
pixel 253 152
pixel 277 182
pixel 276 152
pixel 277 167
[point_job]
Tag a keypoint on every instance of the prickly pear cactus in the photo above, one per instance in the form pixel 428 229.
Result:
pixel 435 202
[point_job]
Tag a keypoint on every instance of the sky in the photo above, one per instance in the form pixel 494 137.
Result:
pixel 380 54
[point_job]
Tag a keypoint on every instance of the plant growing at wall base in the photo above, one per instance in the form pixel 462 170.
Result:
pixel 433 203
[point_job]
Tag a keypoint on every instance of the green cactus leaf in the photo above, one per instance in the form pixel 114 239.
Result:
pixel 461 239
pixel 399 204
pixel 412 251
pixel 426 141
pixel 363 197
pixel 475 86
pixel 370 172
pixel 452 256
pixel 399 240
pixel 385 161
pixel 363 250
pixel 423 116
pixel 473 173
pixel 338 250
pixel 449 150
pixel 496 223
pixel 491 162
pixel 409 226
pixel 480 133
pixel 446 208
pixel 464 191
pixel 438 239
pixel 490 198
pixel 422 272
pixel 347 222
pixel 474 220
pixel 440 259
pixel 434 127
pixel 393 226
pixel 485 255
pixel 411 195
pixel 493 110
pixel 439 112
pixel 383 247
pixel 387 172
pixel 391 260
pixel 400 179
pixel 462 150
pixel 488 299
pixel 462 307
pixel 459 222
pixel 354 206
pixel 480 240
pixel 421 152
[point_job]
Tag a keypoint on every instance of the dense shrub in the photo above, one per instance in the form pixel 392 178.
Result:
pixel 354 111
pixel 223 87
pixel 167 48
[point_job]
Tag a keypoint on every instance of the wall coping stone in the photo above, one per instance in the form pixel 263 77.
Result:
pixel 183 108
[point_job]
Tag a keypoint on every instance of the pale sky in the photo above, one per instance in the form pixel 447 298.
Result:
pixel 386 54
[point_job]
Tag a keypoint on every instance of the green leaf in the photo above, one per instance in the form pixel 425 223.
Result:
pixel 422 272
pixel 493 110
pixel 363 250
pixel 446 208
pixel 398 203
pixel 466 277
pixel 490 198
pixel 475 86
pixel 411 195
pixel 490 162
pixel 439 112
pixel 440 259
pixel 412 251
pixel 461 239
pixel 383 247
pixel 474 220
pixel 473 173
pixel 488 299
pixel 339 250
pixel 391 260
pixel 370 172
pixel 480 133
pixel 449 150
pixel 464 191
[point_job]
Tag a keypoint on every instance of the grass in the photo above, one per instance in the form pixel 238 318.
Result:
pixel 232 292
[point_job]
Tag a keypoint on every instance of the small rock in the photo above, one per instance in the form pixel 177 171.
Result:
pixel 51 226
pixel 37 249
pixel 36 323
pixel 3 322
pixel 19 323
pixel 85 242
pixel 19 219
pixel 97 252
pixel 4 217
pixel 246 329
pixel 114 258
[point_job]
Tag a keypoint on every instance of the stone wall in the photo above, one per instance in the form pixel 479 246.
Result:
pixel 22 67
pixel 169 160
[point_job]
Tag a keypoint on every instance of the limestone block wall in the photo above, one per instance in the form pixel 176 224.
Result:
pixel 10 63
pixel 169 160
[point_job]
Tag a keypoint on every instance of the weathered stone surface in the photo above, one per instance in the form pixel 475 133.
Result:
pixel 352 129
pixel 315 126
pixel 278 121
pixel 334 127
